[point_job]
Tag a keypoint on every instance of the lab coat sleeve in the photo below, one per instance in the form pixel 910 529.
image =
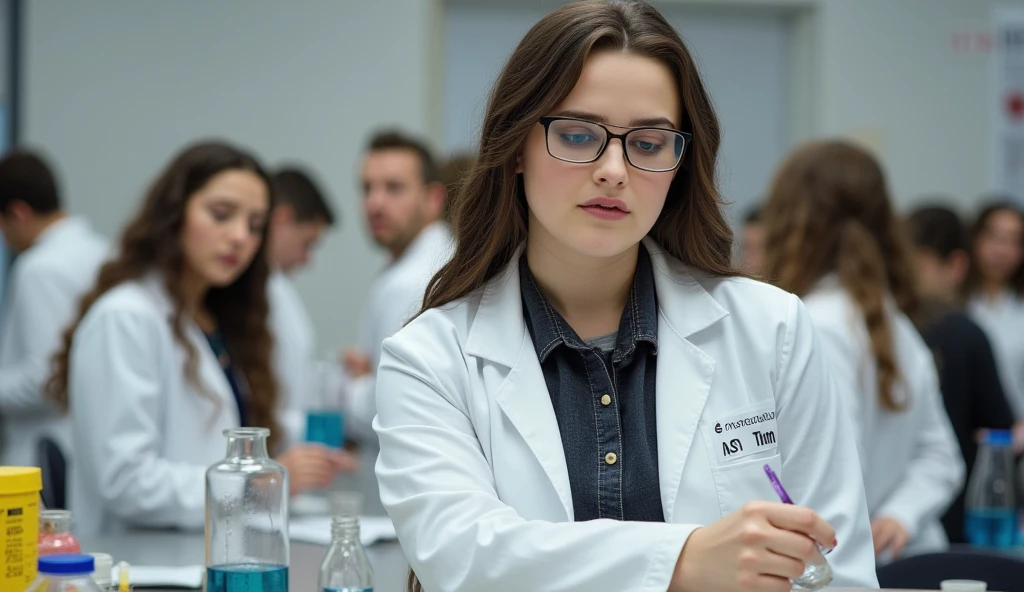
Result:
pixel 936 474
pixel 841 355
pixel 457 534
pixel 37 315
pixel 400 300
pixel 820 462
pixel 117 396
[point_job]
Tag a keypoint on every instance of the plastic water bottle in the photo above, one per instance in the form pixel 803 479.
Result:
pixel 991 511
pixel 346 568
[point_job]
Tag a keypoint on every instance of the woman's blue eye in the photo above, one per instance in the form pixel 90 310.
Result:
pixel 578 139
pixel 646 146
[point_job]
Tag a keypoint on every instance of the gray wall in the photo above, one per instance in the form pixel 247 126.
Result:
pixel 744 55
pixel 114 87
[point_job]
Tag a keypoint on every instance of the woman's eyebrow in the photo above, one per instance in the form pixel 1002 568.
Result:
pixel 640 122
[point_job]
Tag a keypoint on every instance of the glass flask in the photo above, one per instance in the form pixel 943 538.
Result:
pixel 55 533
pixel 247 517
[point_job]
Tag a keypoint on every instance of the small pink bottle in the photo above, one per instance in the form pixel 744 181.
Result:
pixel 55 536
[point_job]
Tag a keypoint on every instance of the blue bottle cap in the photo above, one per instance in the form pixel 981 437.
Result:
pixel 66 564
pixel 998 437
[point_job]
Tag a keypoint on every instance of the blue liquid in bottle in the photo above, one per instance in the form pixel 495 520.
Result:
pixel 991 527
pixel 247 577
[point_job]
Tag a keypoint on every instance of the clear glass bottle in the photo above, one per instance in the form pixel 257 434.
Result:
pixel 346 567
pixel 990 508
pixel 64 573
pixel 55 533
pixel 247 517
pixel 817 574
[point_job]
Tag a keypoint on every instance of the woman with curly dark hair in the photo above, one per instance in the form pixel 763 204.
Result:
pixel 171 347
pixel 834 240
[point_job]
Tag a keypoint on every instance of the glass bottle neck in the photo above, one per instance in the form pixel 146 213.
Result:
pixel 247 446
pixel 345 528
pixel 55 521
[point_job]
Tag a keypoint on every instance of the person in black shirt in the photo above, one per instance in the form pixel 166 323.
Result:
pixel 967 369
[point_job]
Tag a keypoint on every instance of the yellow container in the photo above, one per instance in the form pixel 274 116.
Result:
pixel 19 526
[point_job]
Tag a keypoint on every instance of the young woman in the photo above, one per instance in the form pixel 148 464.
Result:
pixel 967 369
pixel 833 240
pixel 994 286
pixel 590 395
pixel 171 348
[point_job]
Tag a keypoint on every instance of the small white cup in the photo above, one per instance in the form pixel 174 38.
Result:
pixel 963 585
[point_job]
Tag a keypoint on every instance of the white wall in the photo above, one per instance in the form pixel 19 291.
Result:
pixel 114 87
pixel 887 72
pixel 743 54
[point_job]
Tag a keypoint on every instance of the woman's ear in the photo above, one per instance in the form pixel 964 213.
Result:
pixel 519 162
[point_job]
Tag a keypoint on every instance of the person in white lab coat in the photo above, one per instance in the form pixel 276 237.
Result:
pixel 752 243
pixel 172 348
pixel 591 393
pixel 300 216
pixel 58 256
pixel 403 200
pixel 834 240
pixel 995 282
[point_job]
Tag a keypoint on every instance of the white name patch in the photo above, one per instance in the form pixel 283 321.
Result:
pixel 747 432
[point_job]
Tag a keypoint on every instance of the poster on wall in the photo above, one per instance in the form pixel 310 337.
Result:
pixel 1007 97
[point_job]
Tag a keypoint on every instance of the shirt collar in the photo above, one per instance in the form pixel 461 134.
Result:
pixel 639 318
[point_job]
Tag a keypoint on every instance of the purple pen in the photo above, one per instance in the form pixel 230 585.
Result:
pixel 777 485
pixel 781 491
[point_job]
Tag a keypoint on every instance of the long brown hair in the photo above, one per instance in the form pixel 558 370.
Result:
pixel 993 207
pixel 489 217
pixel 829 211
pixel 152 242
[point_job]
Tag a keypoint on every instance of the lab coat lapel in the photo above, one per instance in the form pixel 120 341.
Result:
pixel 499 334
pixel 208 368
pixel 685 372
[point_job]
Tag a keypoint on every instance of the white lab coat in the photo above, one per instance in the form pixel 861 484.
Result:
pixel 304 382
pixel 395 297
pixel 911 460
pixel 294 343
pixel 143 433
pixel 473 474
pixel 46 283
pixel 1003 322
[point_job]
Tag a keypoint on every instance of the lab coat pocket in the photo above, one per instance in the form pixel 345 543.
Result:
pixel 742 482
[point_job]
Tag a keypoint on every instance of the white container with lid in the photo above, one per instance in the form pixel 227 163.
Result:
pixel 102 572
pixel 58 573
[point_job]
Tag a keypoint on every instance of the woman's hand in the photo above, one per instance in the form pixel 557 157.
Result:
pixel 755 549
pixel 313 466
pixel 887 533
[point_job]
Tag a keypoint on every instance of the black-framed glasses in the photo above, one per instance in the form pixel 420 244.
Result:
pixel 653 149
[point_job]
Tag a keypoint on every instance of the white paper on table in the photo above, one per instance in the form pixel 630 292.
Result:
pixel 152 576
pixel 317 529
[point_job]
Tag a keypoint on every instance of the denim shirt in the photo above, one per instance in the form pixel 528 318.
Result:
pixel 604 402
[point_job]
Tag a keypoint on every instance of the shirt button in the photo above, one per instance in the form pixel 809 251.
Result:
pixel 610 458
pixel 606 400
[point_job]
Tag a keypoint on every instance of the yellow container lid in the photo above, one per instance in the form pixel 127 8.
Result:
pixel 20 480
